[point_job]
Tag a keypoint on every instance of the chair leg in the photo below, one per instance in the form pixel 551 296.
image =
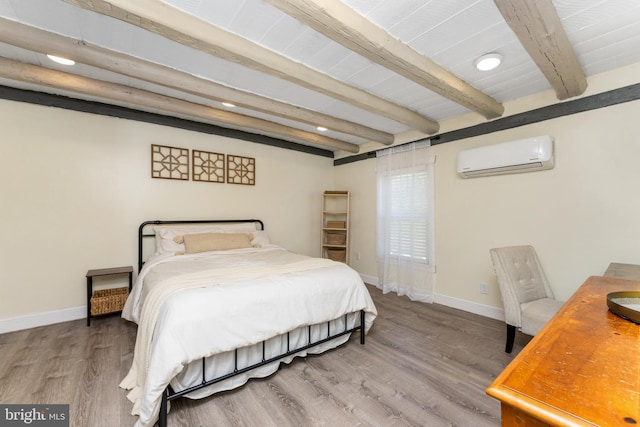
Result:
pixel 511 337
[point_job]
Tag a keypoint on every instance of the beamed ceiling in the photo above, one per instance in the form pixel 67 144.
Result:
pixel 367 70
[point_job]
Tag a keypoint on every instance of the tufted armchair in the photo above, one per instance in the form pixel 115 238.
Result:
pixel 528 300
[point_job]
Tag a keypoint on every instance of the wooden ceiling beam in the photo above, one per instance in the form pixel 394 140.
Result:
pixel 189 30
pixel 41 76
pixel 538 27
pixel 38 40
pixel 345 26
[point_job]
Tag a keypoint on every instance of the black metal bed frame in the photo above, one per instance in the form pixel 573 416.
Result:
pixel 142 235
pixel 169 394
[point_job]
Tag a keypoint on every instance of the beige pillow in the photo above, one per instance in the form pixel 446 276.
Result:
pixel 165 234
pixel 195 243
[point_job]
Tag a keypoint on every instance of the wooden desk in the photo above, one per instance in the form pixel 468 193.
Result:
pixel 582 369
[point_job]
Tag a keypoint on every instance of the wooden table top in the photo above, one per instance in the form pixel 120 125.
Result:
pixel 583 368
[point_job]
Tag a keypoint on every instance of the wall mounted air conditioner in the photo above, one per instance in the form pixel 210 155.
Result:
pixel 525 155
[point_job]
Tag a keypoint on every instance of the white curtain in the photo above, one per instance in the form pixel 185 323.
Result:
pixel 405 226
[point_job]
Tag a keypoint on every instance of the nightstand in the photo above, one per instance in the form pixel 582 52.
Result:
pixel 106 300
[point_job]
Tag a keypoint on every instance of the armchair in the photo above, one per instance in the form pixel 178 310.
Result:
pixel 528 300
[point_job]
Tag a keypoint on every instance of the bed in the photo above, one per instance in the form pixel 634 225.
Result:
pixel 217 303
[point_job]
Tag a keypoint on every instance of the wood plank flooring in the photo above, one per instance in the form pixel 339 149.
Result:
pixel 422 365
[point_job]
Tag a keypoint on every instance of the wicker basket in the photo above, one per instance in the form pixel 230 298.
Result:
pixel 336 224
pixel 108 300
pixel 336 238
pixel 337 254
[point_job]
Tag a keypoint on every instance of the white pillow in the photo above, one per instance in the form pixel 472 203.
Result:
pixel 166 233
pixel 260 239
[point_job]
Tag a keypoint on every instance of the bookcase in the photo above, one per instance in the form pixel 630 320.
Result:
pixel 335 225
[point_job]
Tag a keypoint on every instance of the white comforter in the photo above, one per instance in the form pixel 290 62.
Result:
pixel 194 306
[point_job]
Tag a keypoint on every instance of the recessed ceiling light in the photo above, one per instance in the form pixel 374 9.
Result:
pixel 488 62
pixel 59 60
pixel 228 104
pixel 322 128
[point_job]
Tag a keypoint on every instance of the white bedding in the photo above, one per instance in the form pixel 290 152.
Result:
pixel 213 302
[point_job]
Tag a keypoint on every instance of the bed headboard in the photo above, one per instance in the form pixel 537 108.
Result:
pixel 146 232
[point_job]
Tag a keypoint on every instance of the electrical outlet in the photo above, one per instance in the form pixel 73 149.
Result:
pixel 358 256
pixel 484 288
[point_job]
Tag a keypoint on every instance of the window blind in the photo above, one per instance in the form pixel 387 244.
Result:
pixel 408 226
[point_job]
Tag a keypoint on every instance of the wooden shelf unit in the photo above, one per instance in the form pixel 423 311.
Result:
pixel 335 226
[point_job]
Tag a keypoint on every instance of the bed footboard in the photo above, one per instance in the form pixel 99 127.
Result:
pixel 169 394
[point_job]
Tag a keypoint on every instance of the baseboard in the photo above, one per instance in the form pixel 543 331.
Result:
pixel 460 304
pixel 371 280
pixel 42 319
pixel 470 306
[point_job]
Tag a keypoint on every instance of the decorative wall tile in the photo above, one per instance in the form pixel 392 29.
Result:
pixel 241 170
pixel 169 162
pixel 207 166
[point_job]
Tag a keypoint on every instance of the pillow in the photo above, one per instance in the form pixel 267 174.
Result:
pixel 166 233
pixel 196 243
pixel 260 239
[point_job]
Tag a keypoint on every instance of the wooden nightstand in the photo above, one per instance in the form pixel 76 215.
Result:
pixel 107 300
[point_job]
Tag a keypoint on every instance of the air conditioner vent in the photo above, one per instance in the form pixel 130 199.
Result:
pixel 525 155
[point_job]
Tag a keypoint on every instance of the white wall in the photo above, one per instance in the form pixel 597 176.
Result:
pixel 580 216
pixel 76 186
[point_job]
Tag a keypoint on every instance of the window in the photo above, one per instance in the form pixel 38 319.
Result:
pixel 408 222
pixel 405 244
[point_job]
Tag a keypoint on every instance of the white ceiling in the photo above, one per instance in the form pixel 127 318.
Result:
pixel 605 34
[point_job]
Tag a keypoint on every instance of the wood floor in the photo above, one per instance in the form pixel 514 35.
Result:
pixel 422 365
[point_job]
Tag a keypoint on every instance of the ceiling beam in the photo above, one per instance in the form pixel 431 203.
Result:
pixel 41 76
pixel 38 40
pixel 538 27
pixel 345 26
pixel 189 30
